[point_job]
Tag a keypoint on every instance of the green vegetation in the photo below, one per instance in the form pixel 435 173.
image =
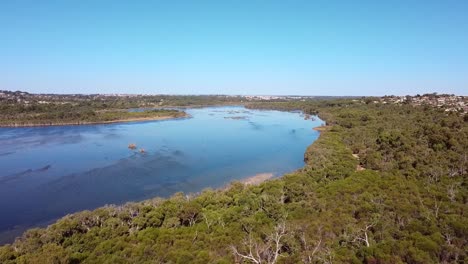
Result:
pixel 65 114
pixel 407 204
pixel 24 109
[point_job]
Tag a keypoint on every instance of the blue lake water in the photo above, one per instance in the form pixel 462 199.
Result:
pixel 48 172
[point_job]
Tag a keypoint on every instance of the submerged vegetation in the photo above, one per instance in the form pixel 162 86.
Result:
pixel 408 206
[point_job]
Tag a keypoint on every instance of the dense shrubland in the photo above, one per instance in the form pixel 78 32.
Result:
pixel 18 115
pixel 408 205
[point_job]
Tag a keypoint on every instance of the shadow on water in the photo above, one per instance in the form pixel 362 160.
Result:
pixel 26 173
pixel 135 178
pixel 255 126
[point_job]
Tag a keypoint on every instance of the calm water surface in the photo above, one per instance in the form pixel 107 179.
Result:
pixel 47 172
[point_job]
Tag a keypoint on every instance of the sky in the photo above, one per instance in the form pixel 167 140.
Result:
pixel 234 47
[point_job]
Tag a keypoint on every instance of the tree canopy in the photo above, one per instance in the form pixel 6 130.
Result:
pixel 382 184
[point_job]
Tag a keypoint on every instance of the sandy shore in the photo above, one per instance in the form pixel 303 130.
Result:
pixel 321 128
pixel 257 179
pixel 138 119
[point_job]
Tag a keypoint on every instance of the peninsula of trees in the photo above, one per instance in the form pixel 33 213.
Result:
pixel 22 109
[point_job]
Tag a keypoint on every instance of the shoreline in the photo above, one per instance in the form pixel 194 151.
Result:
pixel 321 128
pixel 136 119
pixel 252 180
pixel 257 178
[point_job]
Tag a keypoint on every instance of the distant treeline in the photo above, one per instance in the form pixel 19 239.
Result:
pixel 24 109
pixel 56 109
pixel 382 184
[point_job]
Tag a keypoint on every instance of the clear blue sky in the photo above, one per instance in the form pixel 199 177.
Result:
pixel 234 47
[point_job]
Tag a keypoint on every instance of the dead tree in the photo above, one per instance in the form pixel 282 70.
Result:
pixel 263 251
pixel 363 236
pixel 310 250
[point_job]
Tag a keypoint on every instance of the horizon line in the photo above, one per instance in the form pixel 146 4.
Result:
pixel 231 95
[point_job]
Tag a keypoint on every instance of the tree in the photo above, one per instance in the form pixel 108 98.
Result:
pixel 268 251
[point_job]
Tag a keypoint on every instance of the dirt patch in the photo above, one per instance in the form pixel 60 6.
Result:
pixel 321 128
pixel 257 179
pixel 358 167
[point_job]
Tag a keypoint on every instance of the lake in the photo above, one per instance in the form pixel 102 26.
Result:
pixel 48 172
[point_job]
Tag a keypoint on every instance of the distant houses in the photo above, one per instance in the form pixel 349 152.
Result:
pixel 448 102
